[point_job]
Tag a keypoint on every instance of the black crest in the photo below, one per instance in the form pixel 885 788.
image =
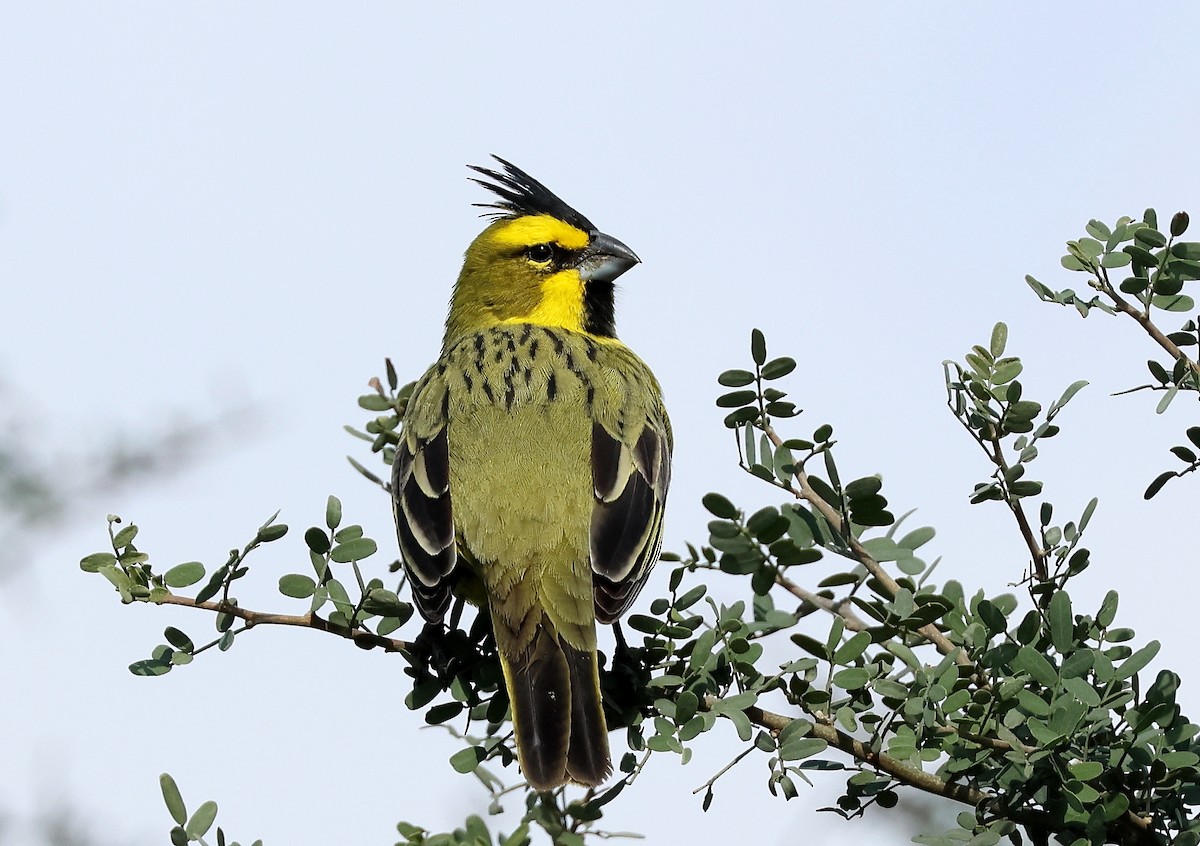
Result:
pixel 520 194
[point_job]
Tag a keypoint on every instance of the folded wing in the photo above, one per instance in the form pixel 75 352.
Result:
pixel 630 480
pixel 424 521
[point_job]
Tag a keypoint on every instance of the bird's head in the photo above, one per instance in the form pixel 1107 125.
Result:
pixel 539 261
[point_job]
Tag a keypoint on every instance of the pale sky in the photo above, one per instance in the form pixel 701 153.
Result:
pixel 216 205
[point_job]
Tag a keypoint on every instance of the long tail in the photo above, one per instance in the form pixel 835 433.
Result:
pixel 557 714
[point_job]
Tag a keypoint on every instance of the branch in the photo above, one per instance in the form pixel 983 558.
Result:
pixel 929 631
pixel 361 637
pixel 1143 320
pixel 842 609
pixel 1036 552
pixel 861 752
pixel 1131 829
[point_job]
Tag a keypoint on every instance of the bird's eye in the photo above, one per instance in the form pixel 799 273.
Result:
pixel 540 253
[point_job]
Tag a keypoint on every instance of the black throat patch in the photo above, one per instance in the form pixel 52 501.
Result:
pixel 599 309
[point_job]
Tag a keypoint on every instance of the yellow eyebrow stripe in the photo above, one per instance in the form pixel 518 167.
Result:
pixel 528 230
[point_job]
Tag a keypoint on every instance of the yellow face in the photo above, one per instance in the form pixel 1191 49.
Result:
pixel 538 269
pixel 545 252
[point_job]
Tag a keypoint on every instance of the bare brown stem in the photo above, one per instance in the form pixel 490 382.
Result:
pixel 361 637
pixel 841 609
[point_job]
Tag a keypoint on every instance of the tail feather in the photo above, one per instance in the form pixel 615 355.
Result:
pixel 588 761
pixel 557 715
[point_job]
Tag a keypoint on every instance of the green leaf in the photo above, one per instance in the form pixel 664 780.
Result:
pixel 297 586
pixel 810 645
pixel 1173 302
pixel 272 533
pixel 1133 285
pixel 740 417
pixel 735 378
pixel 1141 256
pixel 1031 661
pixel 778 368
pixel 1189 250
pixel 798 748
pixel 150 667
pixel 202 820
pixel 374 402
pixel 1077 664
pixel 1184 454
pixel 184 575
pixel 719 506
pixel 1070 392
pixel 991 616
pixel 466 760
pixel 691 597
pixel 854 678
pixel 737 399
pixel 1166 401
pixel 1006 370
pixel 353 550
pixel 917 538
pixel 440 713
pixel 1150 237
pixel 852 648
pixel 125 537
pixel 317 540
pixel 92 563
pixel 999 340
pixel 736 702
pixel 1086 770
pixel 333 512
pixel 885 549
pixel 178 639
pixel 1156 486
pixel 171 795
pixel 1179 759
pixel 1061 622
pixel 758 347
pixel 384 603
pixel 1138 660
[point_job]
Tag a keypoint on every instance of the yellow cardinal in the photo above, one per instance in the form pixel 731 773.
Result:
pixel 536 452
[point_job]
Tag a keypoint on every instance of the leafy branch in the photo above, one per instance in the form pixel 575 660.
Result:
pixel 1160 267
pixel 1040 720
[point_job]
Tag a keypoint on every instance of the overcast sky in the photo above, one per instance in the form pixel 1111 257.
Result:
pixel 217 206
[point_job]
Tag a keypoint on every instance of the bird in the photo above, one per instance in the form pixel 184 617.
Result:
pixel 534 458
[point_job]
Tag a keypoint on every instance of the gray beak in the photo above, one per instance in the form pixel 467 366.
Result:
pixel 605 259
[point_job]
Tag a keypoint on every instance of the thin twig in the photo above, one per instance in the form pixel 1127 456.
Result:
pixel 361 637
pixel 808 494
pixel 708 784
pixel 1037 554
pixel 1143 320
pixel 839 608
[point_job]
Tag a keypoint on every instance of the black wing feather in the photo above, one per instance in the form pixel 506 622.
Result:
pixel 626 534
pixel 425 522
